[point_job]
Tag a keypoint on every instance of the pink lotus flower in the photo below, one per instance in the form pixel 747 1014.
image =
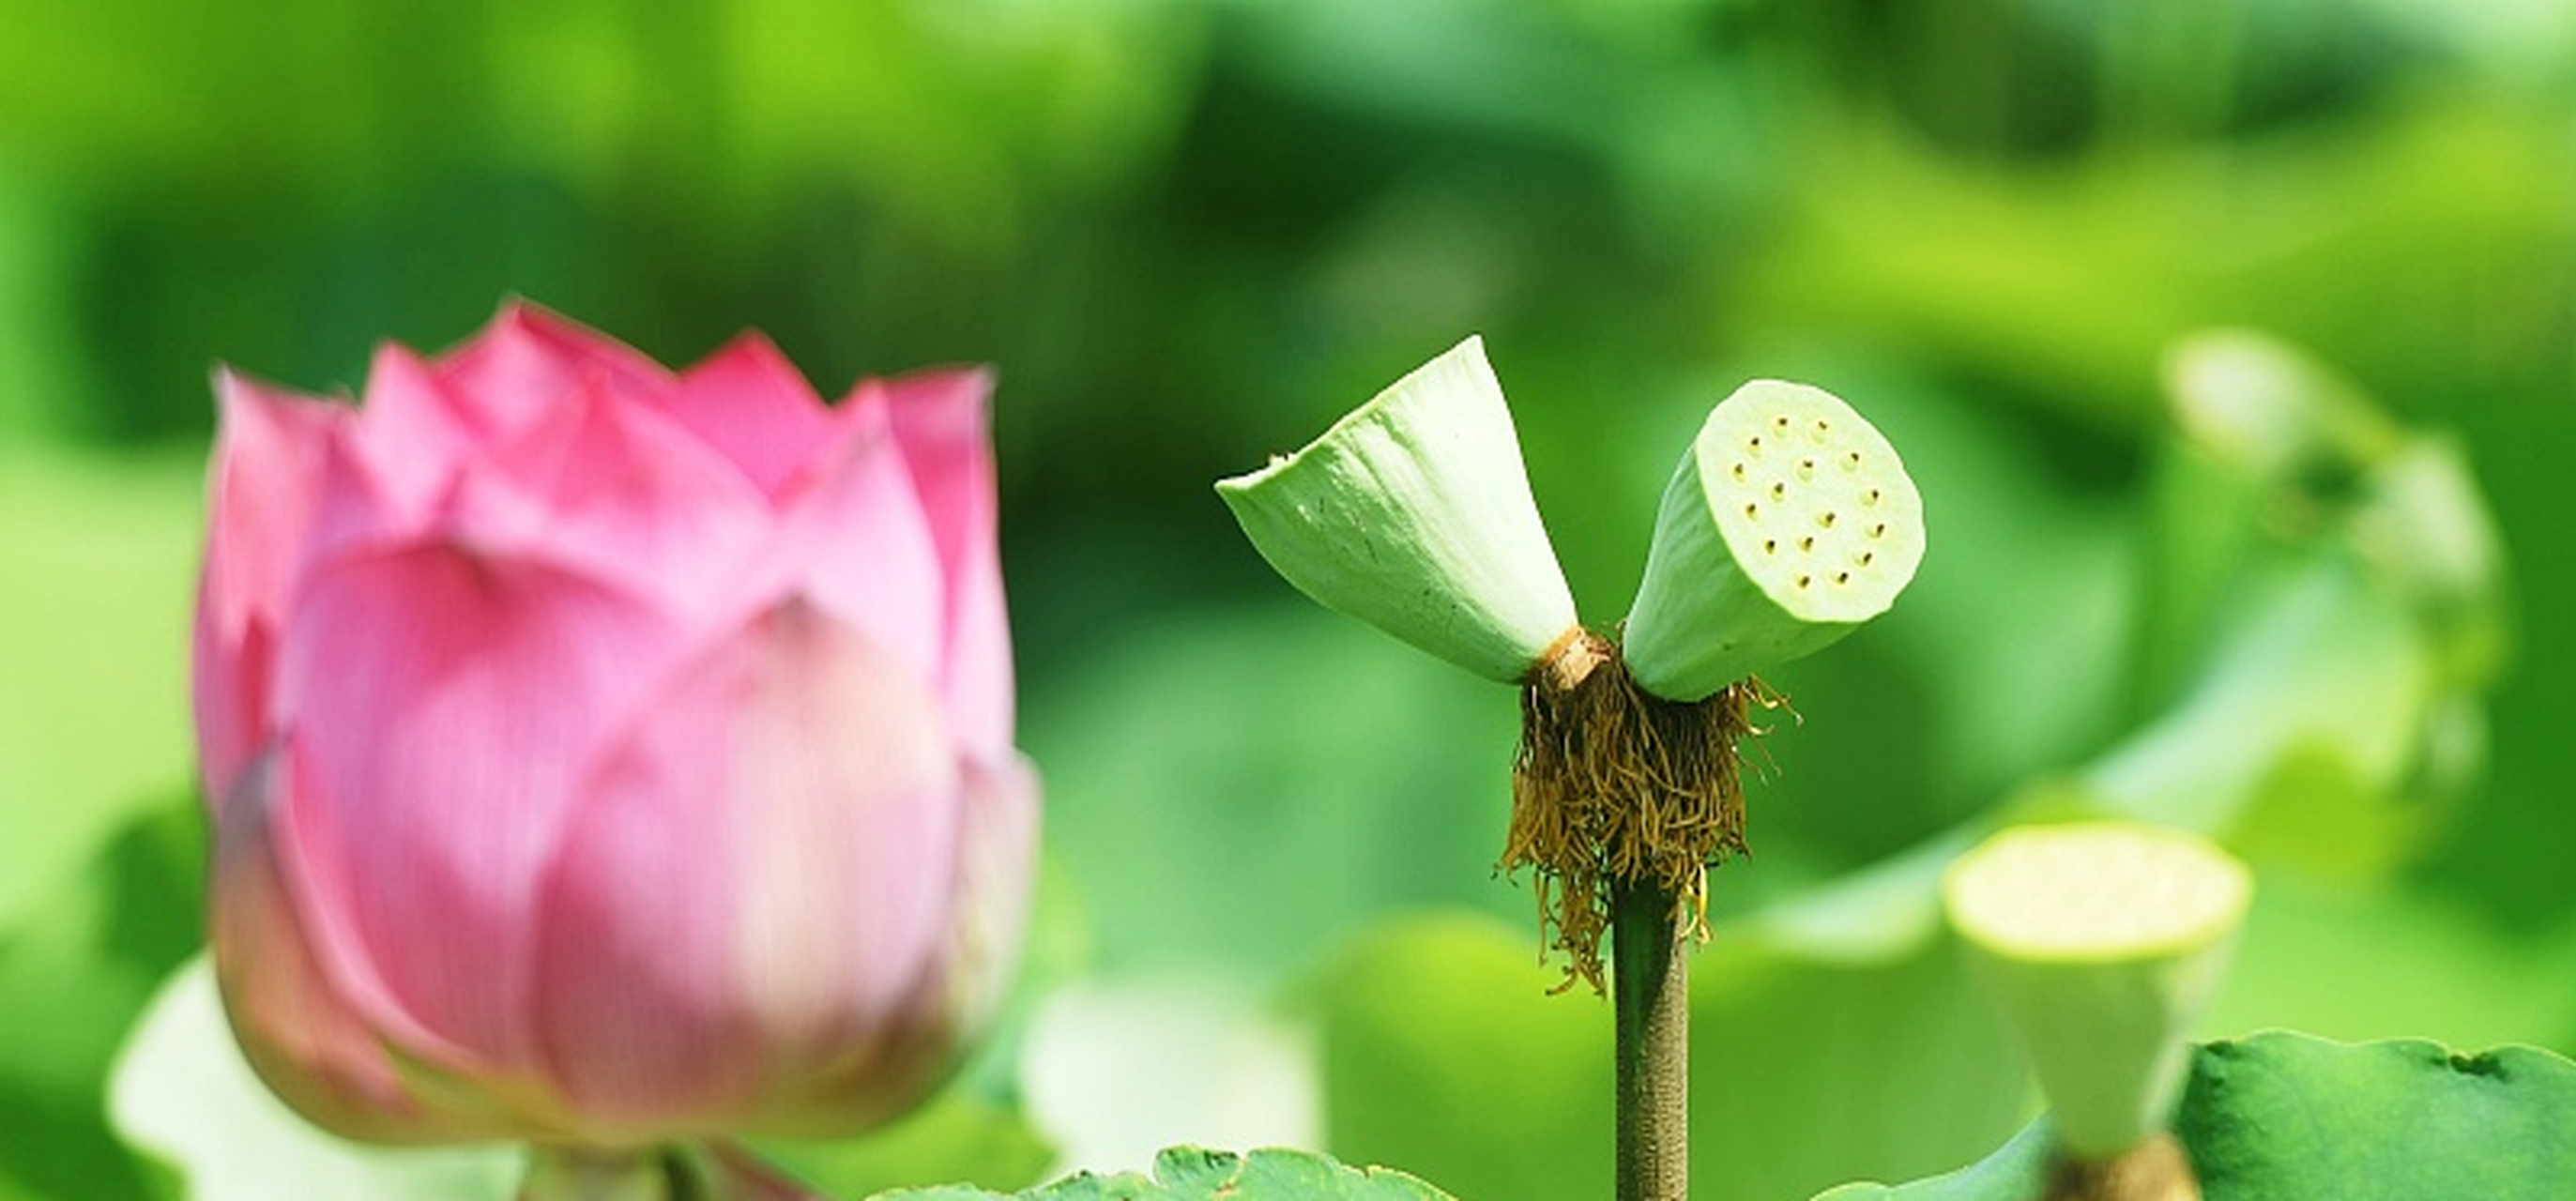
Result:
pixel 601 755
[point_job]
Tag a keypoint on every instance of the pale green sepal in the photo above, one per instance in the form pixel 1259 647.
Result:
pixel 2103 942
pixel 1413 513
pixel 1789 522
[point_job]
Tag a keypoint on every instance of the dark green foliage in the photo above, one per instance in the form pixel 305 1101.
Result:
pixel 2289 1117
pixel 1191 1174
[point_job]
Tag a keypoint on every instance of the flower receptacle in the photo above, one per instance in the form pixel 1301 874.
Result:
pixel 1789 522
pixel 2102 942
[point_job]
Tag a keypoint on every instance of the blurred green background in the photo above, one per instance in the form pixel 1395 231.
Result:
pixel 1193 234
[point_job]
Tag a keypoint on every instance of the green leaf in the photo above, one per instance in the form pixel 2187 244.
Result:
pixel 2287 1116
pixel 2283 1116
pixel 1191 1174
pixel 2018 1169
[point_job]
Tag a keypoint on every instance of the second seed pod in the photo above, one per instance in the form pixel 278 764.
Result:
pixel 1790 522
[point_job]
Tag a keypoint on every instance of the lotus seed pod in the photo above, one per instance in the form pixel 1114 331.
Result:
pixel 1413 513
pixel 2103 942
pixel 1790 522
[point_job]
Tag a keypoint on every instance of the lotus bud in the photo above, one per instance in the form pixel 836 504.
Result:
pixel 1413 514
pixel 1790 522
pixel 2103 942
pixel 608 757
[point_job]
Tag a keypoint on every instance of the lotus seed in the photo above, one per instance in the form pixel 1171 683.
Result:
pixel 1769 545
pixel 1826 519
pixel 1803 581
pixel 1754 444
pixel 1851 462
pixel 1870 497
pixel 1806 469
pixel 1752 512
pixel 1779 491
pixel 1739 473
pixel 1807 544
pixel 1866 556
pixel 1879 530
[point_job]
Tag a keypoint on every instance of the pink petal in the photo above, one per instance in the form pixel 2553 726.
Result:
pixel 442 707
pixel 619 491
pixel 528 358
pixel 996 876
pixel 393 463
pixel 289 1013
pixel 262 489
pixel 752 405
pixel 939 421
pixel 759 883
pixel 996 871
pixel 853 539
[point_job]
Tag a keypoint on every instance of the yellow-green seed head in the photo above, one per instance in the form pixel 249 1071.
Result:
pixel 1790 521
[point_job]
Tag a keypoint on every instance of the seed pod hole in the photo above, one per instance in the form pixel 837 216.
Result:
pixel 1788 485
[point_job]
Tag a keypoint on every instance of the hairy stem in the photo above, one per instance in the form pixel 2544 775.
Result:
pixel 1650 987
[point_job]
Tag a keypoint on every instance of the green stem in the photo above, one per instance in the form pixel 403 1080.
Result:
pixel 1650 988
pixel 572 1173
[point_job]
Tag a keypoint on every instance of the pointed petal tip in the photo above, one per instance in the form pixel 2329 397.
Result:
pixel 234 387
pixel 752 359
